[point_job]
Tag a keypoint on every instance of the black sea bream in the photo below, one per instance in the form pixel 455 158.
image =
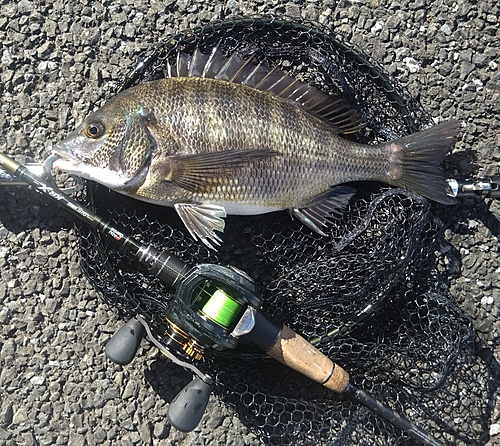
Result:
pixel 231 136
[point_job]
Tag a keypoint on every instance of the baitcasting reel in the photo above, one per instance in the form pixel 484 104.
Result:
pixel 210 311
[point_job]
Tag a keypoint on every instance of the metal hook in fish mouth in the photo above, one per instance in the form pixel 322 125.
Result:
pixel 44 171
pixel 47 176
pixel 47 169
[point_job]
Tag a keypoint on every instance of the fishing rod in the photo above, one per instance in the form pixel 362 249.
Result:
pixel 213 307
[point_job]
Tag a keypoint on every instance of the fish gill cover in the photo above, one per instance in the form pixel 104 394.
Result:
pixel 370 295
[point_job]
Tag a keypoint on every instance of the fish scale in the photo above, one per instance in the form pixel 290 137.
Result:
pixel 287 132
pixel 210 146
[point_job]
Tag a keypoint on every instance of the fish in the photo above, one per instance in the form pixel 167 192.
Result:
pixel 223 135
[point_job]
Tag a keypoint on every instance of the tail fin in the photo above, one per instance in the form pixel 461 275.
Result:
pixel 422 153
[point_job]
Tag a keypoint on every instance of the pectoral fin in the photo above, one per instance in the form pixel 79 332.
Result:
pixel 201 172
pixel 202 220
pixel 317 215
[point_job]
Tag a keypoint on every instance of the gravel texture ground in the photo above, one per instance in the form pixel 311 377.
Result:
pixel 58 60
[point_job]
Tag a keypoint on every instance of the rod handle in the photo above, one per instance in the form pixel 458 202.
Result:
pixel 294 351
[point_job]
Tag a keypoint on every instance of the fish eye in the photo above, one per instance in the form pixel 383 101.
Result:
pixel 94 130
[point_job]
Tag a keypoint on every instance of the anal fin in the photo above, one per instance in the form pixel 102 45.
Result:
pixel 202 220
pixel 317 215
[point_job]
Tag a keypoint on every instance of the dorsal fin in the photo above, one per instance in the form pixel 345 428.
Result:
pixel 260 76
pixel 198 63
pixel 182 65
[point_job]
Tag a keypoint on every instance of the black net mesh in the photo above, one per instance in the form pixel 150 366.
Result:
pixel 370 295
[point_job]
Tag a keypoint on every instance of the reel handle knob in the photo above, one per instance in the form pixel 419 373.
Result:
pixel 187 408
pixel 123 345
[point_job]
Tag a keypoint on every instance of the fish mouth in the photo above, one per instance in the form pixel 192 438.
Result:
pixel 66 165
pixel 64 154
pixel 48 165
pixel 62 163
pixel 64 160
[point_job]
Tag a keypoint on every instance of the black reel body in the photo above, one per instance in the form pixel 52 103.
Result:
pixel 369 295
pixel 210 301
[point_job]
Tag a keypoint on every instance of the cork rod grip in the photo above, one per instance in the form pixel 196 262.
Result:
pixel 294 351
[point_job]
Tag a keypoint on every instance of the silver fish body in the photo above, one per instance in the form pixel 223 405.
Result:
pixel 209 147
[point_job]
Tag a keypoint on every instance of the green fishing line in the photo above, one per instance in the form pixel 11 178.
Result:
pixel 221 308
